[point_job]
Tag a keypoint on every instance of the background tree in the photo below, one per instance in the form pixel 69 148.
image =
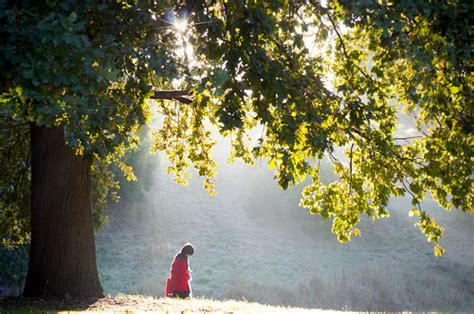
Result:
pixel 80 74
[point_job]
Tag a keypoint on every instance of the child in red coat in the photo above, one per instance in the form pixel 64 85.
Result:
pixel 177 284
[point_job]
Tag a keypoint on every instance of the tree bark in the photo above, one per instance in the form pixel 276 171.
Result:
pixel 183 96
pixel 62 255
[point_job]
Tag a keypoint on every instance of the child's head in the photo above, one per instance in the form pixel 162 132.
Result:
pixel 187 249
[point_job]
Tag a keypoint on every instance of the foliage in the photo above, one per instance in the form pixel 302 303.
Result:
pixel 143 165
pixel 14 182
pixel 104 188
pixel 257 72
pixel 90 68
pixel 14 265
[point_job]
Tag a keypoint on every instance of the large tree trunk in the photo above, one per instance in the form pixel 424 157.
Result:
pixel 62 255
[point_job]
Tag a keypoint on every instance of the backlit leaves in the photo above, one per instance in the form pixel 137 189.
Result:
pixel 312 81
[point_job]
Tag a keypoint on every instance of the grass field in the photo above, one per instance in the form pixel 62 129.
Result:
pixel 253 242
pixel 138 304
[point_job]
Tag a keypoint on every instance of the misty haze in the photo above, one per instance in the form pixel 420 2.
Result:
pixel 254 242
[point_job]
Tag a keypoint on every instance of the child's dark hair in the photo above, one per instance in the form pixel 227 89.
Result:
pixel 187 249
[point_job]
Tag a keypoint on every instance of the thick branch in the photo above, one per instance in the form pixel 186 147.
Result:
pixel 183 96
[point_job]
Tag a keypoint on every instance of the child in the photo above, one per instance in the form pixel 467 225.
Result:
pixel 177 284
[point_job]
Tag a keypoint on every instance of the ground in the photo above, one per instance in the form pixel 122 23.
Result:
pixel 138 303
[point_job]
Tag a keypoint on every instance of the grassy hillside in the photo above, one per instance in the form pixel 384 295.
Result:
pixel 254 242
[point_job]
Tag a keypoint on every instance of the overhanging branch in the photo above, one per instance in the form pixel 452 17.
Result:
pixel 183 96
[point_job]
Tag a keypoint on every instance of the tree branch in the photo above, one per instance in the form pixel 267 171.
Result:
pixel 411 193
pixel 407 138
pixel 350 170
pixel 183 96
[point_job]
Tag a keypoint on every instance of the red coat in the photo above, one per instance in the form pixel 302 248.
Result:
pixel 179 278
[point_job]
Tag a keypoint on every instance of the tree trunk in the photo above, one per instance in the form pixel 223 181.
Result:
pixel 62 254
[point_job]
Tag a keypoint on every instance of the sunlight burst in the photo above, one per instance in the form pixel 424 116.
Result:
pixel 180 25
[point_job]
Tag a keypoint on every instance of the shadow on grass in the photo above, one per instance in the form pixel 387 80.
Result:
pixel 37 305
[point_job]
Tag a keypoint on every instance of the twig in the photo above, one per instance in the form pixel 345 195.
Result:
pixel 261 144
pixel 406 138
pixel 350 170
pixel 410 192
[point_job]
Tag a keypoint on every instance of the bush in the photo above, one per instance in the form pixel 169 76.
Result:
pixel 14 266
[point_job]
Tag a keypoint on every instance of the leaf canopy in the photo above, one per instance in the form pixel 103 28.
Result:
pixel 314 79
